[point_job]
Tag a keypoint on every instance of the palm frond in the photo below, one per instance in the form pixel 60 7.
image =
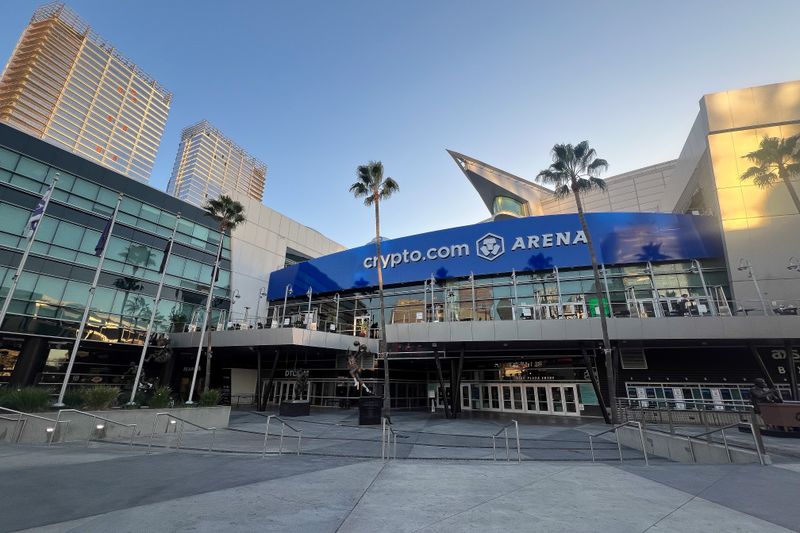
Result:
pixel 359 189
pixel 562 192
pixel 388 187
pixel 597 166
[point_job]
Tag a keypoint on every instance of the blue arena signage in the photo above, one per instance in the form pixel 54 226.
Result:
pixel 522 244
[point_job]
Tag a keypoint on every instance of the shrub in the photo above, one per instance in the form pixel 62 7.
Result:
pixel 27 399
pixel 160 398
pixel 99 398
pixel 210 398
pixel 73 398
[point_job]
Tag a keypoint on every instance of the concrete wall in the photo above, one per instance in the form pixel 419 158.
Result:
pixel 259 248
pixel 81 427
pixel 677 448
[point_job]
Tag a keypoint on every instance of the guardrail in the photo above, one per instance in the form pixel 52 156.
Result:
pixel 98 427
pixel 388 439
pixel 673 412
pixel 179 431
pixel 504 430
pixel 22 419
pixel 707 434
pixel 284 425
pixel 619 446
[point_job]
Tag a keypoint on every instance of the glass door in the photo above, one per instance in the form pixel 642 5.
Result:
pixel 512 397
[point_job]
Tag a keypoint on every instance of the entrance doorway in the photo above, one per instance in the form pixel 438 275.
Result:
pixel 529 397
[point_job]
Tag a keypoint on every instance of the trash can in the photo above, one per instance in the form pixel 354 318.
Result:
pixel 369 410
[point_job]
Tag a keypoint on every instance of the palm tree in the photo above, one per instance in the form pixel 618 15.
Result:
pixel 776 160
pixel 229 213
pixel 575 170
pixel 373 187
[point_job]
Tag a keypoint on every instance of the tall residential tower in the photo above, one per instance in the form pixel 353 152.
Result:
pixel 209 164
pixel 68 86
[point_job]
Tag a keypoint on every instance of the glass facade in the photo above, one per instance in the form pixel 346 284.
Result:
pixel 506 205
pixel 54 286
pixel 631 291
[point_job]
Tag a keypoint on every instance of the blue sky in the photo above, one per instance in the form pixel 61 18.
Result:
pixel 316 88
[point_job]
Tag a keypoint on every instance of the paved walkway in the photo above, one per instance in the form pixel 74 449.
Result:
pixel 109 487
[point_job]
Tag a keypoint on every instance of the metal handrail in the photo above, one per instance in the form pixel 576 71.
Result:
pixel 284 425
pixel 504 431
pixel 619 445
pixel 96 417
pixel 724 441
pixel 388 437
pixel 21 414
pixel 183 421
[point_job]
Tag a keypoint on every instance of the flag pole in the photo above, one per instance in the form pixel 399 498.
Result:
pixel 214 275
pixel 105 237
pixel 170 244
pixel 35 222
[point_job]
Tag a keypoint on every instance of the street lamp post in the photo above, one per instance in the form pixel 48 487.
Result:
pixel 746 266
pixel 286 294
pixel 261 293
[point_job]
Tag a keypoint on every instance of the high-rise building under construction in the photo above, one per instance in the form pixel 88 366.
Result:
pixel 68 86
pixel 209 164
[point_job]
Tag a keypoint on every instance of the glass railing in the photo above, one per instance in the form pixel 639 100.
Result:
pixel 503 309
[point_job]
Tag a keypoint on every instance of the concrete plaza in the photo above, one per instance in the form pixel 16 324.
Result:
pixel 110 487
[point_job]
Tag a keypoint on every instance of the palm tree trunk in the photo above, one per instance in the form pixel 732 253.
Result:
pixel 382 337
pixel 792 191
pixel 610 371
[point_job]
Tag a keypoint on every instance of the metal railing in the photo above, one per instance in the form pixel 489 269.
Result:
pixel 97 428
pixel 754 431
pixel 22 420
pixel 619 445
pixel 504 431
pixel 672 412
pixel 284 425
pixel 388 440
pixel 179 430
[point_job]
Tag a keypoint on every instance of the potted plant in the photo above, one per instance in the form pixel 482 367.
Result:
pixel 297 406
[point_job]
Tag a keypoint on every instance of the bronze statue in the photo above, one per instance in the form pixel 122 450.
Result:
pixel 354 364
pixel 760 392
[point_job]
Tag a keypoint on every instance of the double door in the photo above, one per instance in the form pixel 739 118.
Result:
pixel 534 398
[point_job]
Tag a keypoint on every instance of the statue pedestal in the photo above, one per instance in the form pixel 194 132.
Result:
pixel 294 408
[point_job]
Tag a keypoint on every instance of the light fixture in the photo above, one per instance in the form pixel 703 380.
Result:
pixel 794 264
pixel 50 430
pixel 236 294
pixel 100 426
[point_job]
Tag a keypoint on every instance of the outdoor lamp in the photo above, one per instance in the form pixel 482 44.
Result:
pixel 794 264
pixel 100 426
pixel 744 264
pixel 236 294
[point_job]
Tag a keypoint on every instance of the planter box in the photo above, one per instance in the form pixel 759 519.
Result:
pixel 82 427
pixel 294 408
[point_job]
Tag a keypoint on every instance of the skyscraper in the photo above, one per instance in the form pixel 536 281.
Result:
pixel 68 86
pixel 209 164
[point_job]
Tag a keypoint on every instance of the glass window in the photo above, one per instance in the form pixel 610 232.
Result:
pixel 68 235
pixel 32 169
pixel 8 159
pixel 86 189
pixel 49 289
pixel 149 213
pixel 26 183
pixel 504 204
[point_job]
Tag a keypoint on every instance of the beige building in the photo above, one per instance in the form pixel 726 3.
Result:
pixel 209 164
pixel 68 86
pixel 759 226
pixel 267 241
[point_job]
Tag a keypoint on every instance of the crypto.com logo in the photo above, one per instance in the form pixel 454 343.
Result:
pixel 490 246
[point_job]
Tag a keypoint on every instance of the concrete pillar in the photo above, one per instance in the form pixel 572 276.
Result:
pixel 30 362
